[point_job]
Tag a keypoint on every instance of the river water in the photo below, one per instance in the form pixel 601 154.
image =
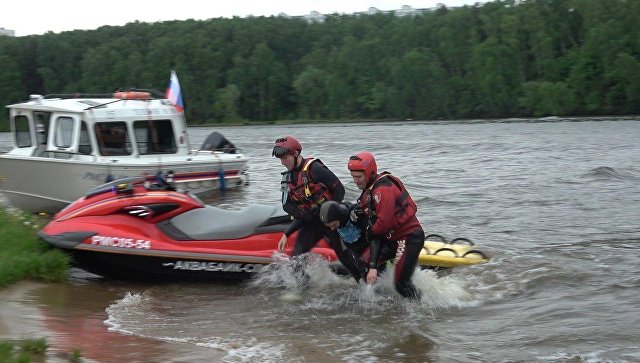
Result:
pixel 555 201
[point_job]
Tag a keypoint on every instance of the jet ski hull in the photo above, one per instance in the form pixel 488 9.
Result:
pixel 165 267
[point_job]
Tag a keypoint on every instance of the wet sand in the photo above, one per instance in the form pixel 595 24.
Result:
pixel 24 316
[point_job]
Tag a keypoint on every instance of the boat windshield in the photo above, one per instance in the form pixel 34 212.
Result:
pixel 151 137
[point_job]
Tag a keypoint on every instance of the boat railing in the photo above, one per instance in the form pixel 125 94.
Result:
pixel 215 152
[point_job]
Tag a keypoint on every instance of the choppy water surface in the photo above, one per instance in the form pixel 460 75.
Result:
pixel 556 202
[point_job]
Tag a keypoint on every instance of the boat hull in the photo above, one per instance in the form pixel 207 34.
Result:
pixel 48 185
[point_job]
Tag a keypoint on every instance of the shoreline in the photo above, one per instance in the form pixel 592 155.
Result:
pixel 23 317
pixel 382 121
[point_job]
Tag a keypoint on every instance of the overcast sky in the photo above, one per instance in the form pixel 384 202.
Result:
pixel 27 17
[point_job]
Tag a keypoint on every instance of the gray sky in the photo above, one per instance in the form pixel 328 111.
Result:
pixel 27 17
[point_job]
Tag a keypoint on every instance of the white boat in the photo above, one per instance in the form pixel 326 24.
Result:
pixel 65 145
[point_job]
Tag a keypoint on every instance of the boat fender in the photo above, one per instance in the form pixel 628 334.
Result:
pixel 223 182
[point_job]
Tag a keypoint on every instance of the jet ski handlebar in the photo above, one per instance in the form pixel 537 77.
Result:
pixel 127 185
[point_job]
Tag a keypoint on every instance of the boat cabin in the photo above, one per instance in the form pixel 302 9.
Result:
pixel 67 128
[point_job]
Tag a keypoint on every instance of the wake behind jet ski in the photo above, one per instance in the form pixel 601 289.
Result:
pixel 132 229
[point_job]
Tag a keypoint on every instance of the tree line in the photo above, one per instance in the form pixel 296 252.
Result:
pixel 498 59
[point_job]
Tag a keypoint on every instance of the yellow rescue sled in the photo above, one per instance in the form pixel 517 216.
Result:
pixel 440 253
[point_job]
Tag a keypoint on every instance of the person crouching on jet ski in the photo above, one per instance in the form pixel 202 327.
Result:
pixel 390 214
pixel 307 184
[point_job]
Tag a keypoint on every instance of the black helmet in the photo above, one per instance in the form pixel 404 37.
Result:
pixel 333 211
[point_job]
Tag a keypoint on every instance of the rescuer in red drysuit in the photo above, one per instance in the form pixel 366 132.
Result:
pixel 390 215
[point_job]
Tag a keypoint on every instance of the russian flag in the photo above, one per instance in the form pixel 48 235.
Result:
pixel 174 94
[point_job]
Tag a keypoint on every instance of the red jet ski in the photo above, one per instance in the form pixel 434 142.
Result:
pixel 131 229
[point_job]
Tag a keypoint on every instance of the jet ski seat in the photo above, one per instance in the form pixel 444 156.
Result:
pixel 213 223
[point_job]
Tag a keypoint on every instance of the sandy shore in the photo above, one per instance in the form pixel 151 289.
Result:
pixel 21 316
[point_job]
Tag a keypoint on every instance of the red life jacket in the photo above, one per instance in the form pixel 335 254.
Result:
pixel 306 193
pixel 405 207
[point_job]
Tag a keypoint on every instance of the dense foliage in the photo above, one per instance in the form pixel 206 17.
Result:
pixel 498 59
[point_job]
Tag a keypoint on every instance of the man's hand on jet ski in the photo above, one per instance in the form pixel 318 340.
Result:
pixel 282 244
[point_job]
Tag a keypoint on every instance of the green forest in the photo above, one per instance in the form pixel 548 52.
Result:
pixel 526 58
